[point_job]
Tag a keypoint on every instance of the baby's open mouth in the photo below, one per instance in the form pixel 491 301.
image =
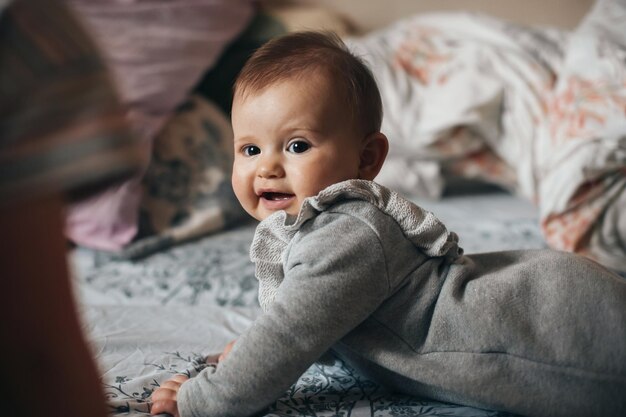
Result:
pixel 276 196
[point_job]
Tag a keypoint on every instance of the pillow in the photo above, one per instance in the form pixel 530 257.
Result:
pixel 157 50
pixel 187 188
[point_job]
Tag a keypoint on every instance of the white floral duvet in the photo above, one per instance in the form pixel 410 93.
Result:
pixel 537 110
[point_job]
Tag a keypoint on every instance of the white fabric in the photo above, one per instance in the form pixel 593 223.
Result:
pixel 547 106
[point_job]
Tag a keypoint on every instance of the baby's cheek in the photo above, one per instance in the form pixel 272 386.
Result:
pixel 243 192
pixel 240 184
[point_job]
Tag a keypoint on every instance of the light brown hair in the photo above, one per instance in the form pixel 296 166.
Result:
pixel 298 54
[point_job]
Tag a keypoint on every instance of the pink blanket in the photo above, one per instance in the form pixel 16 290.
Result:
pixel 157 50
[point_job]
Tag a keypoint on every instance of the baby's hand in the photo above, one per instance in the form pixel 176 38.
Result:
pixel 226 351
pixel 164 397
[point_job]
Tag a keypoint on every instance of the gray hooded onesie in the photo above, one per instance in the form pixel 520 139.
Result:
pixel 382 283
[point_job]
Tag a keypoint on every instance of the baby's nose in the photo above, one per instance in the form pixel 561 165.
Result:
pixel 270 167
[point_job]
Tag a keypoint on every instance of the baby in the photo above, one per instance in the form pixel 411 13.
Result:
pixel 346 264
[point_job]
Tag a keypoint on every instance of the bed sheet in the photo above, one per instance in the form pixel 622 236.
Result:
pixel 173 312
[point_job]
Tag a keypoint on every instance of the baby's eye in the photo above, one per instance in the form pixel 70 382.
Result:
pixel 251 150
pixel 298 146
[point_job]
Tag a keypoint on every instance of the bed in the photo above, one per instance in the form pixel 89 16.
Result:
pixel 169 302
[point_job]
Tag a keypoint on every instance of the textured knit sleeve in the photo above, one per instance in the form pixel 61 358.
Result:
pixel 335 277
pixel 61 125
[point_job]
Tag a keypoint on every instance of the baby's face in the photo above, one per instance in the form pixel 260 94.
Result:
pixel 292 140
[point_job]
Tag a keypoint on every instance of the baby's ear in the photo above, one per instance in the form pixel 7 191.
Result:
pixel 373 153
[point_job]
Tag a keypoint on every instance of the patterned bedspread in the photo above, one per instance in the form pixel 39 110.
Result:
pixel 174 311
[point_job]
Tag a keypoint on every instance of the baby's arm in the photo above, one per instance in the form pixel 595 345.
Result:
pixel 324 295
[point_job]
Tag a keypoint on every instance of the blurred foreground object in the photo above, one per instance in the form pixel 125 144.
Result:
pixel 62 135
